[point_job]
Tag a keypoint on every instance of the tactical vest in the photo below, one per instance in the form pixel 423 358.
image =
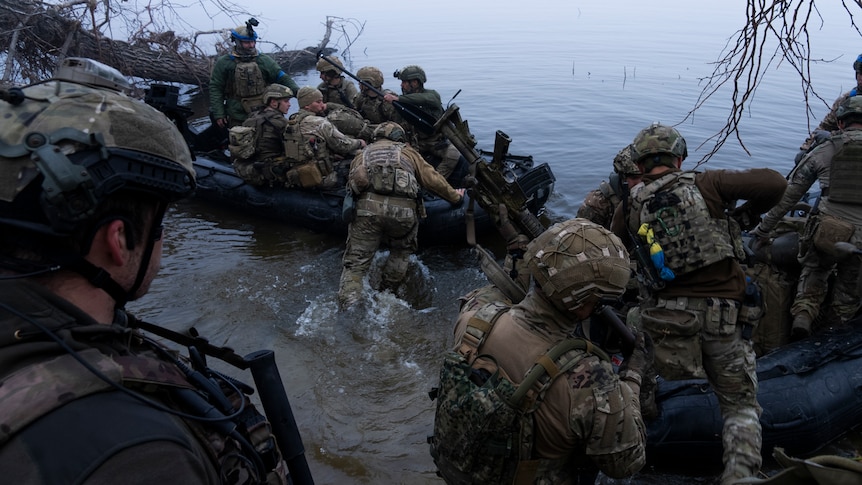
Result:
pixel 675 210
pixel 608 191
pixel 35 390
pixel 390 172
pixel 845 171
pixel 339 92
pixel 299 148
pixel 483 427
pixel 269 127
pixel 248 84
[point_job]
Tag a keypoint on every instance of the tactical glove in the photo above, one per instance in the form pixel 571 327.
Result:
pixel 635 365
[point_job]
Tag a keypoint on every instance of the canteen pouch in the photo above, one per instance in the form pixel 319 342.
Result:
pixel 829 231
pixel 676 338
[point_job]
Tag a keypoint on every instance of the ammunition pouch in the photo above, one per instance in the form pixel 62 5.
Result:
pixel 676 338
pixel 829 231
pixel 242 142
pixel 307 175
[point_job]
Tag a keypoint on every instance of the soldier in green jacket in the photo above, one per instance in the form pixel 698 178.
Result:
pixel 239 78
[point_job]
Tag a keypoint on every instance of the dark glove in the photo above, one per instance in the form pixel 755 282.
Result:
pixel 641 358
pixel 746 219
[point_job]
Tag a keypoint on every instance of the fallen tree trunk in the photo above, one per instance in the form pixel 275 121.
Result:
pixel 36 37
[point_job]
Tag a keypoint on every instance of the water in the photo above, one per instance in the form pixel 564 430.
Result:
pixel 571 84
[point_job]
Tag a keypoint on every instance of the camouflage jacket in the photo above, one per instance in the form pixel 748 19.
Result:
pixel 344 94
pixel 323 129
pixel 599 205
pixel 830 121
pixel 376 110
pixel 50 403
pixel 814 167
pixel 588 414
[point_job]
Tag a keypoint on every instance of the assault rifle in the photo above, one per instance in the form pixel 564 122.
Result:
pixel 270 388
pixel 500 197
pixel 421 120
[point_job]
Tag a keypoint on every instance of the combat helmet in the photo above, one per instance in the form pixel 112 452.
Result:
pixel 850 108
pixel 276 91
pixel 576 261
pixel 67 148
pixel 336 65
pixel 623 163
pixel 657 140
pixel 371 75
pixel 390 130
pixel 411 72
pixel 857 64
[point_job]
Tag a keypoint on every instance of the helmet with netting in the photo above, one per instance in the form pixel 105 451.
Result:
pixel 656 140
pixel 336 65
pixel 390 130
pixel 371 75
pixel 411 72
pixel 276 91
pixel 577 261
pixel 67 146
pixel 850 108
pixel 623 163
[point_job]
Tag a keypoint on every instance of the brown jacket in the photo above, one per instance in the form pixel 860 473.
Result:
pixel 761 187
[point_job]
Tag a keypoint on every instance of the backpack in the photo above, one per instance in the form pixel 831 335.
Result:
pixel 242 142
pixel 483 426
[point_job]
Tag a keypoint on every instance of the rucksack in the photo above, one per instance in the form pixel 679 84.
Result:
pixel 483 426
pixel 242 142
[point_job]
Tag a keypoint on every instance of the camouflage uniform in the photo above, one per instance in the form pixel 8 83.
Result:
pixel 588 418
pixel 817 264
pixel 600 204
pixel 391 218
pixel 344 94
pixel 434 146
pixel 269 158
pixel 349 121
pixel 327 143
pixel 693 319
pixel 374 109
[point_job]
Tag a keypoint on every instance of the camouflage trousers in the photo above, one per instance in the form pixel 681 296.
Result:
pixel 706 339
pixel 380 220
pixel 441 154
pixel 269 173
pixel 817 267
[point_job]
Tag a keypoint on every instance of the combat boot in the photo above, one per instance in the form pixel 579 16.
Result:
pixel 801 326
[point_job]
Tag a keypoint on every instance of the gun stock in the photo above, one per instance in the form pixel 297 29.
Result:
pixel 647 272
pixel 492 187
pixel 627 337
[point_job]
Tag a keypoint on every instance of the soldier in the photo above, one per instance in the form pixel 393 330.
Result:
pixel 87 175
pixel 600 204
pixel 583 416
pixel 335 88
pixel 267 164
pixel 692 315
pixel 239 78
pixel 349 121
pixel 434 147
pixel 837 218
pixel 830 121
pixel 313 145
pixel 371 106
pixel 385 180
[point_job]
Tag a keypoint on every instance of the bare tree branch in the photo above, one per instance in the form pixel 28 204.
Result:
pixel 747 56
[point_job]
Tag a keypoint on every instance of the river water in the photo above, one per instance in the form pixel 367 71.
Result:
pixel 571 83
